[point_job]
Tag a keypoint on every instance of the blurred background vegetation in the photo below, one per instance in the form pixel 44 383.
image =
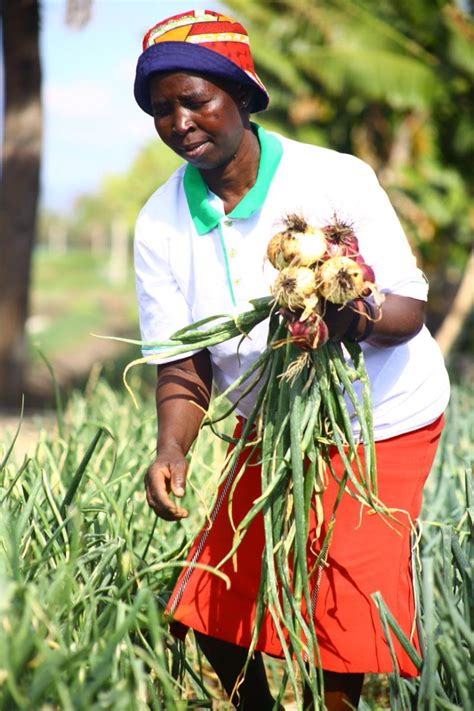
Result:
pixel 390 81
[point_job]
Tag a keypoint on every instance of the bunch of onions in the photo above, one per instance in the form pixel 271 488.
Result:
pixel 295 424
pixel 315 265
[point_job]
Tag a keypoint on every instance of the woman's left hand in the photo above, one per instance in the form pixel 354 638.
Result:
pixel 338 319
pixel 396 321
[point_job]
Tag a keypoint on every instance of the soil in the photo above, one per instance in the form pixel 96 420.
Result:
pixel 30 432
pixel 71 370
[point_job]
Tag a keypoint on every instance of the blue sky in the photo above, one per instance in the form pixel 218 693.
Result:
pixel 92 125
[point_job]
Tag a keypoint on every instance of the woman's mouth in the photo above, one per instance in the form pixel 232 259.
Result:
pixel 193 150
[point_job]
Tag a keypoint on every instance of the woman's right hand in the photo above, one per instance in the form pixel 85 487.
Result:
pixel 165 477
pixel 183 390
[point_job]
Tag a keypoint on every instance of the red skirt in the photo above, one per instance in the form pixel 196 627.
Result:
pixel 365 555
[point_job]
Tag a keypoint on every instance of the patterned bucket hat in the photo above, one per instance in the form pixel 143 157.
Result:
pixel 202 41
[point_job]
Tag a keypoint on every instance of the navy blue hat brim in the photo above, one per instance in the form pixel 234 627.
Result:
pixel 184 56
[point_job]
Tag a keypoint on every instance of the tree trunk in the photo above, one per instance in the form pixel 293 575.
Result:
pixel 20 186
pixel 452 326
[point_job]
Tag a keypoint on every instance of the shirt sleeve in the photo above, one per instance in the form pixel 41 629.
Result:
pixel 382 241
pixel 162 306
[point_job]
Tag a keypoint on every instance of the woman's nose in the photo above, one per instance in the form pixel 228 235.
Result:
pixel 181 121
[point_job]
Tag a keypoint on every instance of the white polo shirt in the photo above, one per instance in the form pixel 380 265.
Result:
pixel 193 261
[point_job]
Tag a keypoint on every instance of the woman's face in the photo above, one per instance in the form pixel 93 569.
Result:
pixel 197 119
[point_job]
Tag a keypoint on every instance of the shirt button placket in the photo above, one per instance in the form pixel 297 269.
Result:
pixel 233 235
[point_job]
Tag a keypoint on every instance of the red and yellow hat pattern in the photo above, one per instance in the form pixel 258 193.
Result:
pixel 209 29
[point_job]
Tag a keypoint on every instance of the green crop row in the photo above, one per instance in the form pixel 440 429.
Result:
pixel 86 569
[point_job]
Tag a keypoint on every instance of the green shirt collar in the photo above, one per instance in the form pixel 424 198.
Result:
pixel 204 216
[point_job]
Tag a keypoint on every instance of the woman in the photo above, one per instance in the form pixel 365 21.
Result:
pixel 200 244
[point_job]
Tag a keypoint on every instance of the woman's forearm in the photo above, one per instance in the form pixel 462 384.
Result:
pixel 182 397
pixel 399 319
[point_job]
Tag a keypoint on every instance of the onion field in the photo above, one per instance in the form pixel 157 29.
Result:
pixel 86 569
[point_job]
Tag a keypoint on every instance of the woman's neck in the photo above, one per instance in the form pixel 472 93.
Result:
pixel 233 180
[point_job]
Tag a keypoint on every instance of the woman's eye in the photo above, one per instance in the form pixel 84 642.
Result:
pixel 195 105
pixel 160 111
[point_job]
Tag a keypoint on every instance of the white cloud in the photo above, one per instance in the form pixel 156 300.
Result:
pixel 141 128
pixel 82 99
pixel 126 70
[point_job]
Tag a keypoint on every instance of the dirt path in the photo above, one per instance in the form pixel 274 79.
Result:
pixel 33 427
pixel 73 366
pixel 71 370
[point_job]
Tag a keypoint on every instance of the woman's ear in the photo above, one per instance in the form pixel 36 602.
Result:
pixel 244 96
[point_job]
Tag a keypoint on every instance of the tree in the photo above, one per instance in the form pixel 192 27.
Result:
pixel 20 179
pixel 20 185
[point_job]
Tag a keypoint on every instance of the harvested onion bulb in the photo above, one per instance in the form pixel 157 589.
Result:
pixel 294 287
pixel 299 244
pixel 275 251
pixel 309 334
pixel 341 239
pixel 340 279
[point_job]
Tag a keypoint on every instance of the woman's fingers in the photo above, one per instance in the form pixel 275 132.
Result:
pixel 162 478
pixel 178 477
pixel 338 319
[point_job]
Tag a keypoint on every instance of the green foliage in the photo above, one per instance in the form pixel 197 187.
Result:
pixel 86 568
